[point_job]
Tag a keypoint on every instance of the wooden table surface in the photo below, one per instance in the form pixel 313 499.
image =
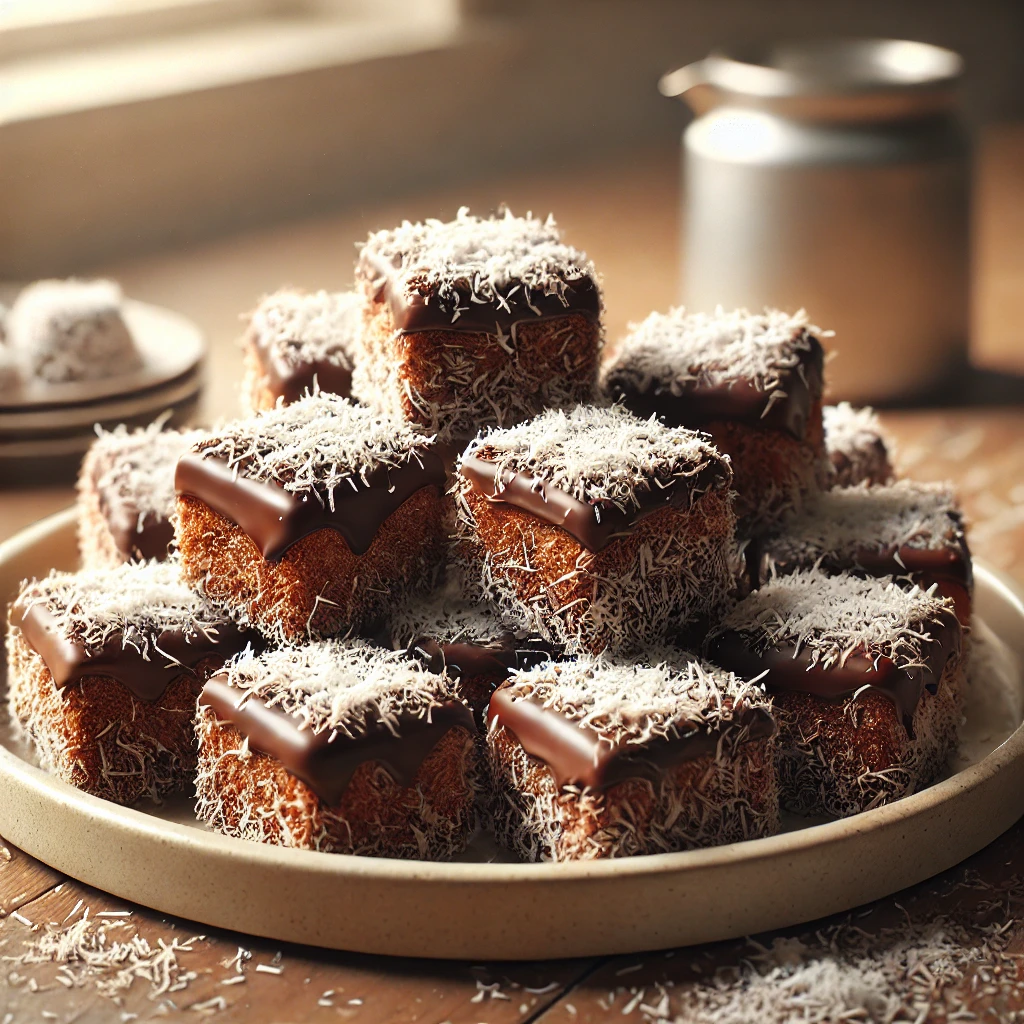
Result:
pixel 624 214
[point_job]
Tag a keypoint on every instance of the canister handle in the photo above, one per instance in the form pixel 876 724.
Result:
pixel 690 84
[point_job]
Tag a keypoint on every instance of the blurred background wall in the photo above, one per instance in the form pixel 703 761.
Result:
pixel 155 123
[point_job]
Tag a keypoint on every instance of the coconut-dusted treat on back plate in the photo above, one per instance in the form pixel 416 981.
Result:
pixel 311 519
pixel 297 342
pixel 752 381
pixel 476 322
pixel 126 494
pixel 858 447
pixel 337 746
pixel 599 530
pixel 470 641
pixel 104 667
pixel 907 530
pixel 591 759
pixel 866 679
pixel 71 331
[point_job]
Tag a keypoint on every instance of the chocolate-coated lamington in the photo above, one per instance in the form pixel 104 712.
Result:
pixel 866 680
pixel 752 381
pixel 590 759
pixel 476 322
pixel 596 529
pixel 339 747
pixel 297 342
pixel 311 519
pixel 104 668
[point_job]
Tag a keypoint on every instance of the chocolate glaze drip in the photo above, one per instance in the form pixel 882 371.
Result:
pixel 594 526
pixel 275 519
pixel 327 765
pixel 172 653
pixel 291 379
pixel 578 755
pixel 411 311
pixel 737 401
pixel 791 671
pixel 497 657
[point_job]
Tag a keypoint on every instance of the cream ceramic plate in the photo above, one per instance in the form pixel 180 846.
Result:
pixel 172 349
pixel 160 857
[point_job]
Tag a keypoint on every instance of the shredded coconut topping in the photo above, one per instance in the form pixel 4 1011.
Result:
pixel 669 352
pixel 851 430
pixel 475 260
pixel 342 686
pixel 832 617
pixel 318 443
pixel 136 468
pixel 674 694
pixel 133 603
pixel 839 523
pixel 309 328
pixel 601 454
pixel 72 330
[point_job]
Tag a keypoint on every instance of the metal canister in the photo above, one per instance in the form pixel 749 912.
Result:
pixel 834 176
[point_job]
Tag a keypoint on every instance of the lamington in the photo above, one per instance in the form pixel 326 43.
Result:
pixel 598 530
pixel 589 759
pixel 859 450
pixel 470 641
pixel 339 747
pixel 310 520
pixel 126 494
pixel 752 381
pixel 72 331
pixel 476 322
pixel 909 530
pixel 866 679
pixel 104 667
pixel 298 342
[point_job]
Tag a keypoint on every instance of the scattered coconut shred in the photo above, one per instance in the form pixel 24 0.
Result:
pixel 316 444
pixel 107 951
pixel 447 620
pixel 134 602
pixel 831 617
pixel 483 261
pixel 302 328
pixel 669 352
pixel 908 974
pixel 845 520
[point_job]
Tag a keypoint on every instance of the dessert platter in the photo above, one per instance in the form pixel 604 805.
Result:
pixel 77 353
pixel 462 641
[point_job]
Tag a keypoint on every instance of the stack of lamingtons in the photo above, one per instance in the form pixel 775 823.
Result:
pixel 450 569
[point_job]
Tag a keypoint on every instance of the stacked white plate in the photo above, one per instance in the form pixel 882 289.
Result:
pixel 46 428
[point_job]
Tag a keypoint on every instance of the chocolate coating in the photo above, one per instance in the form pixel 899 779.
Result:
pixel 141 541
pixel 594 526
pixel 787 408
pixel 291 379
pixel 789 670
pixel 327 764
pixel 69 662
pixel 578 755
pixel 411 311
pixel 275 519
